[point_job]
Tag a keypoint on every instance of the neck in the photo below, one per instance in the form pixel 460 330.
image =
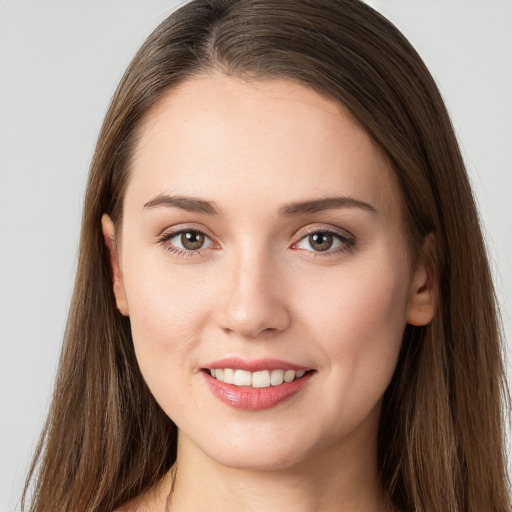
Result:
pixel 345 479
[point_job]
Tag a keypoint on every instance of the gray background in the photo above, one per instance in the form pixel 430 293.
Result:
pixel 60 62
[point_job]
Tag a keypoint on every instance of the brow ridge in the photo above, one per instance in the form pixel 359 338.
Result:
pixel 328 203
pixel 193 204
pixel 189 204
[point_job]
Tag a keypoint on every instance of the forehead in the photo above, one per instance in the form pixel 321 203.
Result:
pixel 226 138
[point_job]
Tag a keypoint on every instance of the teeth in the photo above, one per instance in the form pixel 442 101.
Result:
pixel 289 375
pixel 261 379
pixel 277 377
pixel 242 378
pixel 229 376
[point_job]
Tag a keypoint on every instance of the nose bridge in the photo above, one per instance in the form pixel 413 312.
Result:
pixel 254 300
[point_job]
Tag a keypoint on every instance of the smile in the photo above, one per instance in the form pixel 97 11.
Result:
pixel 255 385
pixel 260 379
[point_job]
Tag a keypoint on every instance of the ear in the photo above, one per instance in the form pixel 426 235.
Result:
pixel 108 232
pixel 422 298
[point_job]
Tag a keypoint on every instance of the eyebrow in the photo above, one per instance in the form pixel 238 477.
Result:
pixel 329 203
pixel 196 205
pixel 189 204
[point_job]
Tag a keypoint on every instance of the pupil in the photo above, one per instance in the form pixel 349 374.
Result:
pixel 321 241
pixel 192 240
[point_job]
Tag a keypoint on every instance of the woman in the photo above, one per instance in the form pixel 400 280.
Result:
pixel 282 297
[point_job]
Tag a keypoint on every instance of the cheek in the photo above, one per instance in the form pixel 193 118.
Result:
pixel 167 308
pixel 358 318
pixel 359 299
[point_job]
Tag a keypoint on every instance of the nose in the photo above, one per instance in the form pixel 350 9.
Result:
pixel 254 298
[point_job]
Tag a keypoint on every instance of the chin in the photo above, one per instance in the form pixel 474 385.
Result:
pixel 262 452
pixel 250 460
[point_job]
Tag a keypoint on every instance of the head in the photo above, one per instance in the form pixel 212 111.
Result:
pixel 354 61
pixel 278 165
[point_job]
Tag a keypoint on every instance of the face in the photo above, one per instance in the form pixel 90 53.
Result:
pixel 264 265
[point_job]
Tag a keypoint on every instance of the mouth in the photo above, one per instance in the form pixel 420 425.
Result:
pixel 259 379
pixel 258 389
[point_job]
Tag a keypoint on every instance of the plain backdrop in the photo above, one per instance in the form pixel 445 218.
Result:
pixel 60 62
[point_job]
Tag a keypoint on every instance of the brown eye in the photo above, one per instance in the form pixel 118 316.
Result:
pixel 192 240
pixel 187 242
pixel 321 241
pixel 328 242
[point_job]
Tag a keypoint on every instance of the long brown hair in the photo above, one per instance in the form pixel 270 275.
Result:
pixel 441 444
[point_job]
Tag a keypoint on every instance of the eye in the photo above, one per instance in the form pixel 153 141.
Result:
pixel 190 240
pixel 324 241
pixel 186 240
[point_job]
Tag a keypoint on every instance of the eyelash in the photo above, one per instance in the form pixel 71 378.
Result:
pixel 347 242
pixel 181 253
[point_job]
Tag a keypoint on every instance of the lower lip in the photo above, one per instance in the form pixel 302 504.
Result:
pixel 255 399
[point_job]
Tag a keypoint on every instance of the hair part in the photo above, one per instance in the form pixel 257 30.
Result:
pixel 441 445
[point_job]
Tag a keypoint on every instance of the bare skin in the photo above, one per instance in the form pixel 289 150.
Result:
pixel 246 170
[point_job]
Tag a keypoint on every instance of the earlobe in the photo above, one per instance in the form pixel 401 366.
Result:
pixel 422 298
pixel 117 277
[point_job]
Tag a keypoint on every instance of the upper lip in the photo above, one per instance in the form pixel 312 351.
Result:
pixel 254 365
